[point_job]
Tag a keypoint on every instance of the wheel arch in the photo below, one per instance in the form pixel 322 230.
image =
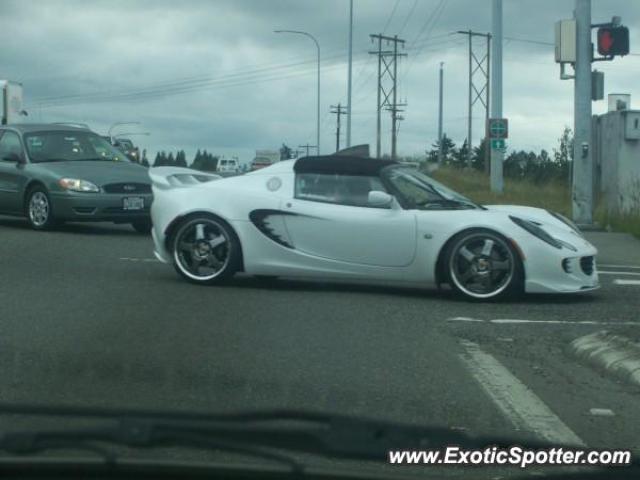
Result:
pixel 31 184
pixel 173 225
pixel 440 273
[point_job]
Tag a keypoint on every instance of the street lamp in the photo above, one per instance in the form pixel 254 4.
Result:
pixel 117 124
pixel 129 134
pixel 297 32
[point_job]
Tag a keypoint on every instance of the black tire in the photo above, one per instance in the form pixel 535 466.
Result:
pixel 482 265
pixel 205 250
pixel 39 210
pixel 142 226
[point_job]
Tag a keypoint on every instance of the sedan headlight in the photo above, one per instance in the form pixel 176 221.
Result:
pixel 536 231
pixel 78 185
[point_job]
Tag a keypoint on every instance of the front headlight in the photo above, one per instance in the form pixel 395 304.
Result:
pixel 78 185
pixel 536 231
pixel 566 221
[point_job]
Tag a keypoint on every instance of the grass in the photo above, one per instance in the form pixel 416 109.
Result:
pixel 619 222
pixel 553 195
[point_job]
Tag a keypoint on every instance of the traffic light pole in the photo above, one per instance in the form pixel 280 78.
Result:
pixel 582 195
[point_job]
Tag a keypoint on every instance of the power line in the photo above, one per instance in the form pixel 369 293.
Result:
pixel 408 17
pixel 393 12
pixel 216 82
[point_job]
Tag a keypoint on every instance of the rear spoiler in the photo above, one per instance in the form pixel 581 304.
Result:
pixel 166 178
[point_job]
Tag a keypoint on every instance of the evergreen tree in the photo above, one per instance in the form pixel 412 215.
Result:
pixel 181 159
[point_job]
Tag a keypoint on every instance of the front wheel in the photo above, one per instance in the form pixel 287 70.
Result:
pixel 39 210
pixel 483 265
pixel 205 250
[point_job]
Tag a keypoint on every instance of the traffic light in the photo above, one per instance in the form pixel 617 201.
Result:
pixel 613 41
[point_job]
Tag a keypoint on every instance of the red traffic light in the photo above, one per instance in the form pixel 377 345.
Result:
pixel 613 41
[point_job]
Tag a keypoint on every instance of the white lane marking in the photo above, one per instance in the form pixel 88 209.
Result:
pixel 516 401
pixel 634 267
pixel 618 273
pixel 131 259
pixel 602 412
pixel 619 281
pixel 505 321
pixel 464 319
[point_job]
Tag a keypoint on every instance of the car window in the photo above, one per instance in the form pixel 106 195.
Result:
pixel 350 190
pixel 10 143
pixel 70 146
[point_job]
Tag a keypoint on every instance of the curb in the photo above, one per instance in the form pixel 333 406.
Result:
pixel 615 355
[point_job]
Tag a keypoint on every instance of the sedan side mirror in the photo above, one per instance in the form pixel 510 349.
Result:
pixel 379 199
pixel 12 157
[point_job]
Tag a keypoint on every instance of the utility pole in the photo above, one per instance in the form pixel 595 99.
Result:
pixel 388 68
pixel 349 75
pixel 478 65
pixel 339 110
pixel 497 154
pixel 307 147
pixel 582 197
pixel 440 96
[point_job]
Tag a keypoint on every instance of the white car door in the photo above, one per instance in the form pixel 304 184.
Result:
pixel 329 218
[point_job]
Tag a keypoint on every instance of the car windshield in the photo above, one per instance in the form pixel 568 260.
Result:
pixel 70 146
pixel 417 190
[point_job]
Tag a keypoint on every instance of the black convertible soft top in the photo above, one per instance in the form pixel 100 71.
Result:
pixel 338 165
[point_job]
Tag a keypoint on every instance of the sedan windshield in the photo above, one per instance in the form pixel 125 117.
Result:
pixel 70 146
pixel 417 190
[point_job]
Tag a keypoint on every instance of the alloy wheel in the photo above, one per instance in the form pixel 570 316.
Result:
pixel 202 249
pixel 39 209
pixel 482 265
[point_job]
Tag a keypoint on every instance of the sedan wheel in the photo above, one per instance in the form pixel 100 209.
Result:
pixel 39 211
pixel 205 250
pixel 483 265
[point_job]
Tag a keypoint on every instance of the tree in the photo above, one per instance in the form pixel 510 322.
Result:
pixel 479 155
pixel 459 157
pixel 448 149
pixel 205 162
pixel 181 159
pixel 161 159
pixel 563 155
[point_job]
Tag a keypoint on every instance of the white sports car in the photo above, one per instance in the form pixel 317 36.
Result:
pixel 361 218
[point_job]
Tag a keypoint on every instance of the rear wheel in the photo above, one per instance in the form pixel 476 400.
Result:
pixel 483 265
pixel 205 250
pixel 142 226
pixel 39 210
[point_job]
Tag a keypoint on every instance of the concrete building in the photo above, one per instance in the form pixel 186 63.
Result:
pixel 617 157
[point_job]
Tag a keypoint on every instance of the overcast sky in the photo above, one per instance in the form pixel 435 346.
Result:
pixel 212 74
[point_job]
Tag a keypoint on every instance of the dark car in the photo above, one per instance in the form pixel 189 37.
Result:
pixel 54 173
pixel 127 147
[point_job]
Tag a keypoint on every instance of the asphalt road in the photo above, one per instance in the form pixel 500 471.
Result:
pixel 88 317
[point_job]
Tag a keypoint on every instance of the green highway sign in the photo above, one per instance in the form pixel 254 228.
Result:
pixel 497 144
pixel 498 128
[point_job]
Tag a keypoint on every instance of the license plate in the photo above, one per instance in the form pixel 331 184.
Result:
pixel 132 203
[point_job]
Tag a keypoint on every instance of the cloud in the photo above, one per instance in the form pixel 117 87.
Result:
pixel 212 74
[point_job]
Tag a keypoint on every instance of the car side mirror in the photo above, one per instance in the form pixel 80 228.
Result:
pixel 12 157
pixel 379 199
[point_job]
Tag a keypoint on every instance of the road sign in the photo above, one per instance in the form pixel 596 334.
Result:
pixel 497 144
pixel 498 128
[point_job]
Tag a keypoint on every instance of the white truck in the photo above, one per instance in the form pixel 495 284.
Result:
pixel 11 102
pixel 228 165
